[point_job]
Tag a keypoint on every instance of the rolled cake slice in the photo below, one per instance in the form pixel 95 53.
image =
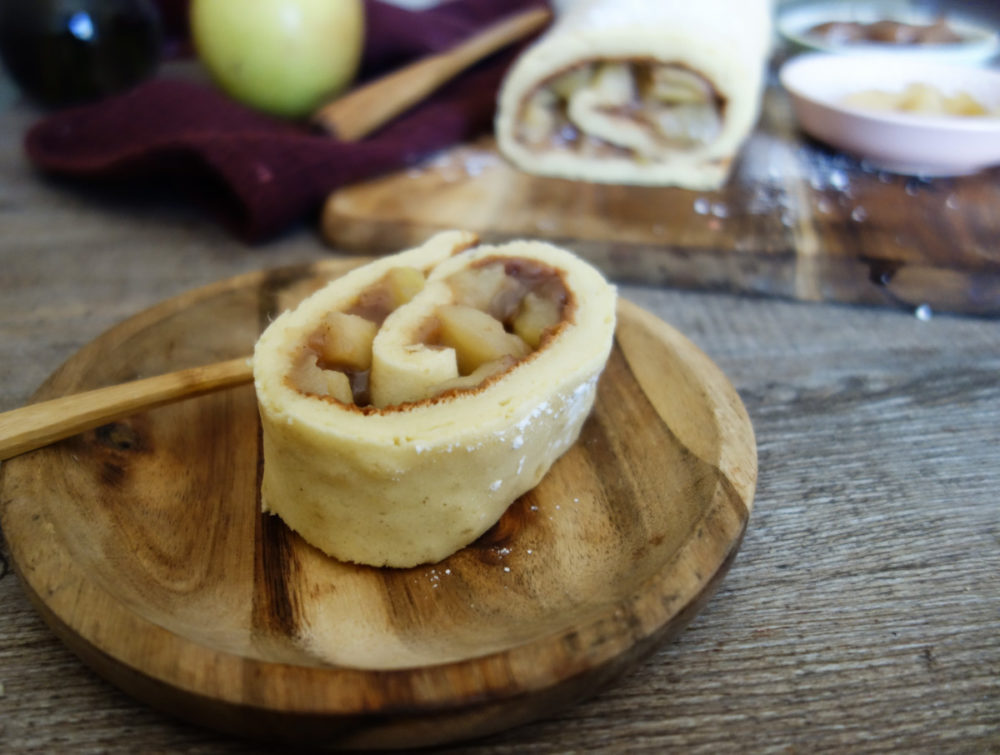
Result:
pixel 638 92
pixel 405 405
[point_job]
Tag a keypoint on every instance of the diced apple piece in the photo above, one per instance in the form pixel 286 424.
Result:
pixel 345 341
pixel 687 125
pixel 677 86
pixel 536 315
pixel 963 103
pixel 507 299
pixel 475 287
pixel 309 377
pixel 489 289
pixel 614 83
pixel 567 84
pixel 538 120
pixel 476 337
pixel 477 376
pixel 922 98
pixel 403 283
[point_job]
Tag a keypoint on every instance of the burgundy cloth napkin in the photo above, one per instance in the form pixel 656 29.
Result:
pixel 262 174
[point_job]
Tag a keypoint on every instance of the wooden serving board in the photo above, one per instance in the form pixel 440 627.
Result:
pixel 795 220
pixel 143 546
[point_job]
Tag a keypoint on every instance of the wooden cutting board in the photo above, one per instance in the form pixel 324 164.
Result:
pixel 795 220
pixel 142 544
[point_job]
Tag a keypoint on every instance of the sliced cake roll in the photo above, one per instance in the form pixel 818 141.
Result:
pixel 651 92
pixel 406 405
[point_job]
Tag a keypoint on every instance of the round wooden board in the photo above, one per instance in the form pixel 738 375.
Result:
pixel 142 545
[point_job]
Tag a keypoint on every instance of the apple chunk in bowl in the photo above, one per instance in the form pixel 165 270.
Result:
pixel 822 87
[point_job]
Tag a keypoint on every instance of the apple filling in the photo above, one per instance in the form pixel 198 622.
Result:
pixel 500 312
pixel 640 109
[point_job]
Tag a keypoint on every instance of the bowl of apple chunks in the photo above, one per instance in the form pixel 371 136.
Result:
pixel 501 312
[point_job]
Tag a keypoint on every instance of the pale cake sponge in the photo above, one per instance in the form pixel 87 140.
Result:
pixel 638 92
pixel 403 448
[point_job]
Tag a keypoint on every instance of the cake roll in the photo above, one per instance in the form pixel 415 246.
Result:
pixel 654 92
pixel 407 404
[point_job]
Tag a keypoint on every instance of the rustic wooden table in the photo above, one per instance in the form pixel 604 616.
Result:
pixel 862 613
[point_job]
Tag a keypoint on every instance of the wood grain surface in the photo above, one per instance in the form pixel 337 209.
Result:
pixel 795 220
pixel 859 616
pixel 142 543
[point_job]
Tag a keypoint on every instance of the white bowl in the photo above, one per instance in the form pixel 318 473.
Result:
pixel 908 143
pixel 979 41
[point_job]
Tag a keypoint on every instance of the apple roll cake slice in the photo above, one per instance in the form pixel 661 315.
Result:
pixel 405 405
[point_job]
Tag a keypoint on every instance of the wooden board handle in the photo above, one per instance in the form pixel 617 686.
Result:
pixel 360 112
pixel 36 425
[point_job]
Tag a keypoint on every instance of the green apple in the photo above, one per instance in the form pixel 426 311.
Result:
pixel 285 57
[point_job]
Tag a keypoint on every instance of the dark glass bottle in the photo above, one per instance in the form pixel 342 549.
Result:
pixel 61 52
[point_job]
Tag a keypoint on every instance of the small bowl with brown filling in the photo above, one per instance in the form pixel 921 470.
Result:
pixel 888 27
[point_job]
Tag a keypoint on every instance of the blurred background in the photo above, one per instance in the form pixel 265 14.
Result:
pixel 66 51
